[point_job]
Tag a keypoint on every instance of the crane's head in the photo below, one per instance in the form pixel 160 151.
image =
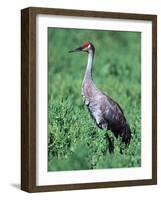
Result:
pixel 85 47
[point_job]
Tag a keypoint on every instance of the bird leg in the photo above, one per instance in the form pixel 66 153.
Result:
pixel 110 141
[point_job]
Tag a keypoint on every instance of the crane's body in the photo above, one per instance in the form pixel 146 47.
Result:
pixel 107 114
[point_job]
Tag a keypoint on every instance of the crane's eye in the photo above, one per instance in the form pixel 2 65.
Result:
pixel 85 48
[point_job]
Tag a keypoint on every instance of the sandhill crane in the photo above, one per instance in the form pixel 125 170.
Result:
pixel 107 114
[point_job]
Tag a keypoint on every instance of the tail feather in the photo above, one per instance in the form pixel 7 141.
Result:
pixel 126 135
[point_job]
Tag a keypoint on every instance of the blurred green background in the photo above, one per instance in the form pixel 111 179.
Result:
pixel 74 141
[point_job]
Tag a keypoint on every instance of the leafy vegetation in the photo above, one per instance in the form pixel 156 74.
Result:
pixel 74 141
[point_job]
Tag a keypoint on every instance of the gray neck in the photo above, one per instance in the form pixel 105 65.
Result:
pixel 88 73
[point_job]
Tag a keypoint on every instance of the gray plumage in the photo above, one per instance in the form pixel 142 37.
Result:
pixel 107 114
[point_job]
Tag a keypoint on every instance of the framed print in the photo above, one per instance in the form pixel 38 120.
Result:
pixel 88 99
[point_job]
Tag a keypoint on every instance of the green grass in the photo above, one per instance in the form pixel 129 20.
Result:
pixel 74 141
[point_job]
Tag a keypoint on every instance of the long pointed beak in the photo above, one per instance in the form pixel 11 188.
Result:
pixel 75 50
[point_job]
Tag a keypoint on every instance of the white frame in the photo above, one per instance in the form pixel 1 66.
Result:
pixel 43 177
